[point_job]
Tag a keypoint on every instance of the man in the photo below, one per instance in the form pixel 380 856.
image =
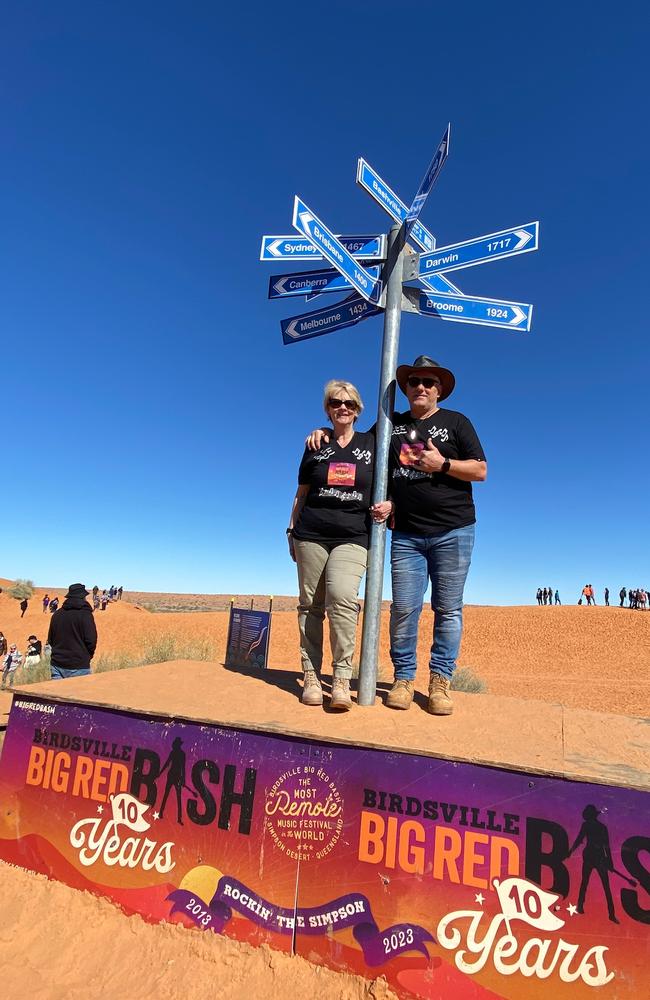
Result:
pixel 435 456
pixel 72 635
pixel 24 604
pixel 622 594
pixel 606 597
pixel 33 653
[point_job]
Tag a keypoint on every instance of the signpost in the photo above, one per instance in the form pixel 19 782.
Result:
pixel 386 289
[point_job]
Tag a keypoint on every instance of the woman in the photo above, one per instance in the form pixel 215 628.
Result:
pixel 328 540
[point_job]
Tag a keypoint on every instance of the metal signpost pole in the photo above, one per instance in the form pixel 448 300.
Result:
pixel 375 574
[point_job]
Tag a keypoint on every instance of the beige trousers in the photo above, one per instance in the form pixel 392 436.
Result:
pixel 328 582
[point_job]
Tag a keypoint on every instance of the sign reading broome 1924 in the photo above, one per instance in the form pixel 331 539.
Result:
pixel 452 880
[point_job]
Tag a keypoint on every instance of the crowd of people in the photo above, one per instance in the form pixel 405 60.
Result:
pixel 638 599
pixel 545 596
pixel 70 635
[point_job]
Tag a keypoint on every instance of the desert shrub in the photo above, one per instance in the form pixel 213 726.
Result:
pixel 156 649
pixel 466 680
pixel 21 589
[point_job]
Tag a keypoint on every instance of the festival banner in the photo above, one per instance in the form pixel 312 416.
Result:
pixel 449 879
pixel 248 638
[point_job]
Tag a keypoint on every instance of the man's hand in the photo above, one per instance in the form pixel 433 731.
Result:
pixel 317 438
pixel 382 511
pixel 430 459
pixel 292 551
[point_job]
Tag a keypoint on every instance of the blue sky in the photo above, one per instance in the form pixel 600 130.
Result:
pixel 153 420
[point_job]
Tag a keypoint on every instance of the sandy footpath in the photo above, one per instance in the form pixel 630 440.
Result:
pixel 61 944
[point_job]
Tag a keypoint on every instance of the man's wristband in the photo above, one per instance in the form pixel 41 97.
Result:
pixel 289 531
pixel 446 465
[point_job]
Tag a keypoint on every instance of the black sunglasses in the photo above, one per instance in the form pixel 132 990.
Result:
pixel 415 380
pixel 336 402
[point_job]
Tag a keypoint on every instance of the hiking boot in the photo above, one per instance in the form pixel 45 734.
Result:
pixel 341 699
pixel 439 701
pixel 312 692
pixel 401 695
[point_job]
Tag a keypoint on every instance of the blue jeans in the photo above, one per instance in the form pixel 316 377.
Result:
pixel 62 673
pixel 415 559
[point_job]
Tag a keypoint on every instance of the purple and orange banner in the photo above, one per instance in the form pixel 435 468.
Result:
pixel 449 879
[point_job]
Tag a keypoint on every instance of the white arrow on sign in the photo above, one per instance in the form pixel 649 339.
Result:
pixel 524 238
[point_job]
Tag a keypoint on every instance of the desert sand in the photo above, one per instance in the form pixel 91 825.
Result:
pixel 60 943
pixel 583 657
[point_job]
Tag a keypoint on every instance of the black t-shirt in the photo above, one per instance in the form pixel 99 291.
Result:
pixel 427 503
pixel 340 481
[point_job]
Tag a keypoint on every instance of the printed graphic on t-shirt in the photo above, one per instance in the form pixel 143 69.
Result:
pixel 410 452
pixel 341 474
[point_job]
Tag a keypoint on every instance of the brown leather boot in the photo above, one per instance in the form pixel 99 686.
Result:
pixel 439 701
pixel 341 699
pixel 401 695
pixel 312 692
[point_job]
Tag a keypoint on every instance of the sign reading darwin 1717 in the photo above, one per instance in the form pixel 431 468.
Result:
pixel 451 880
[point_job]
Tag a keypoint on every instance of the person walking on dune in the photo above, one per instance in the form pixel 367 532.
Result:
pixel 606 597
pixel 33 652
pixel 10 665
pixel 24 604
pixel 622 595
pixel 46 601
pixel 72 635
pixel 557 597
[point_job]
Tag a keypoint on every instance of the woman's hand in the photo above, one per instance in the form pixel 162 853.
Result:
pixel 380 512
pixel 317 438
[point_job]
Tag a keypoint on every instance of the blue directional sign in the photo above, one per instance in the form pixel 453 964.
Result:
pixel 315 324
pixel 311 283
pixel 297 247
pixel 429 179
pixel 494 246
pixel 370 180
pixel 333 250
pixel 469 309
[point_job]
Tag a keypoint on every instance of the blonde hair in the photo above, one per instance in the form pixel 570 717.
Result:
pixel 350 391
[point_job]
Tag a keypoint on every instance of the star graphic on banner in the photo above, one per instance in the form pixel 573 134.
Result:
pixel 479 898
pixel 100 809
pixel 572 910
pixel 156 815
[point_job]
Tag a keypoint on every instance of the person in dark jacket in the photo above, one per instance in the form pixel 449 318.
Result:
pixel 72 635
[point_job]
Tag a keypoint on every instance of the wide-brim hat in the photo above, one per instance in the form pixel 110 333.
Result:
pixel 431 367
pixel 77 590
